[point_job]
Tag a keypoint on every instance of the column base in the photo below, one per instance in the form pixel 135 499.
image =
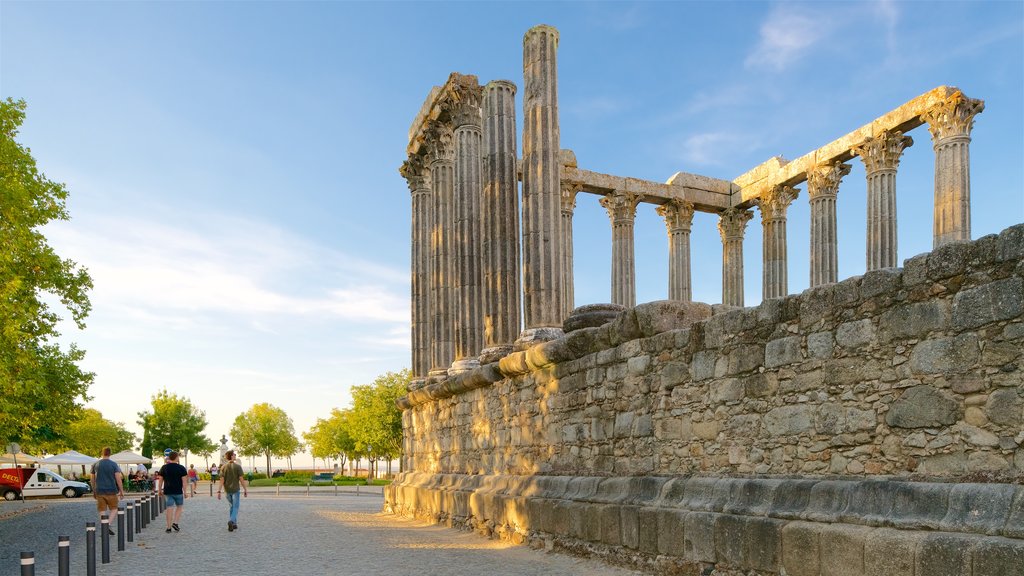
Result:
pixel 495 353
pixel 533 336
pixel 417 383
pixel 436 373
pixel 464 365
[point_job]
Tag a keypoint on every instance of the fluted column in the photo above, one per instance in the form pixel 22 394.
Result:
pixel 500 237
pixel 442 178
pixel 542 248
pixel 469 317
pixel 822 189
pixel 417 175
pixel 678 216
pixel 568 198
pixel 773 205
pixel 731 225
pixel 621 207
pixel 950 124
pixel 881 157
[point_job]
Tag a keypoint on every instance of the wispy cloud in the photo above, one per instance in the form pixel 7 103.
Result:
pixel 786 36
pixel 714 148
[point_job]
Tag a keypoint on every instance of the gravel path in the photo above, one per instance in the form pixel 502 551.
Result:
pixel 280 535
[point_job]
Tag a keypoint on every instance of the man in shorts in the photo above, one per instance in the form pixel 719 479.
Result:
pixel 172 487
pixel 107 486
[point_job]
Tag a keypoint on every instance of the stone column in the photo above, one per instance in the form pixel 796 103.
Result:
pixel 822 189
pixel 881 157
pixel 441 153
pixel 678 216
pixel 542 248
pixel 467 119
pixel 500 237
pixel 417 175
pixel 569 192
pixel 950 124
pixel 731 225
pixel 621 207
pixel 773 205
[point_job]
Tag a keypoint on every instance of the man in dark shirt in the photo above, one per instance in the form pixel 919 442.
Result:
pixel 107 486
pixel 172 487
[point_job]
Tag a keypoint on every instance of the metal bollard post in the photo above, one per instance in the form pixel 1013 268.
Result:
pixel 145 511
pixel 138 515
pixel 278 489
pixel 90 548
pixel 357 489
pixel 211 488
pixel 28 564
pixel 120 528
pixel 63 556
pixel 130 516
pixel 105 538
pixel 335 489
pixel 307 488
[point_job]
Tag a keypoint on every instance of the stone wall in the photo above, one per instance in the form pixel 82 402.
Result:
pixel 909 374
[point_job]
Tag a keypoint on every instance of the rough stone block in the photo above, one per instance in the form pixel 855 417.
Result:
pixel 703 365
pixel 789 500
pixel 949 260
pixel 729 539
pixel 801 548
pixel 855 334
pixel 946 355
pixel 842 549
pixel 999 300
pixel 998 556
pixel 944 554
pixel 744 358
pixel 782 351
pixel 1006 407
pixel 876 282
pixel 751 497
pixel 762 543
pixel 980 508
pixel 648 530
pixel 870 502
pixel 923 407
pixel 820 345
pixel 611 524
pixel 827 500
pixel 915 270
pixel 671 526
pixel 630 525
pixel 1014 527
pixel 833 418
pixel 664 315
pixel 699 537
pixel 726 390
pixel 788 420
pixel 1011 243
pixel 699 494
pixel 914 320
pixel 920 505
pixel 889 552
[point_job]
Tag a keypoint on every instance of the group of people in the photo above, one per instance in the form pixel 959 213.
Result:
pixel 108 487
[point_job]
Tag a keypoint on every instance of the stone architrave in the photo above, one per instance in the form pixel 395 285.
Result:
pixel 417 175
pixel 542 247
pixel 621 207
pixel 732 223
pixel 822 189
pixel 500 237
pixel 951 123
pixel 569 191
pixel 441 152
pixel 678 215
pixel 881 157
pixel 467 120
pixel 774 205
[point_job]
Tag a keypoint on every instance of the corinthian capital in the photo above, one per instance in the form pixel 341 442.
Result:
pixel 440 143
pixel 621 206
pixel 732 222
pixel 775 202
pixel 953 117
pixel 883 152
pixel 823 180
pixel 678 215
pixel 416 173
pixel 570 189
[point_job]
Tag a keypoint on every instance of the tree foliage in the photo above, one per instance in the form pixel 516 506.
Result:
pixel 332 438
pixel 173 422
pixel 92 432
pixel 266 430
pixel 41 385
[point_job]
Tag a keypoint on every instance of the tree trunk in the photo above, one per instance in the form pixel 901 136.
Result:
pixel 268 459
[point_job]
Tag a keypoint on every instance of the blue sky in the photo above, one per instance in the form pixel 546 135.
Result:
pixel 233 166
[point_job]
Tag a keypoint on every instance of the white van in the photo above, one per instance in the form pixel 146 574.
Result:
pixel 45 482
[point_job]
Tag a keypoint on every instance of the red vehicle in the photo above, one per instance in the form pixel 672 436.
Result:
pixel 13 480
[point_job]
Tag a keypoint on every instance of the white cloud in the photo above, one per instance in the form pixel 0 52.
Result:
pixel 714 148
pixel 786 36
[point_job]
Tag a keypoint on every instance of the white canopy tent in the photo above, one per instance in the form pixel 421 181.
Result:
pixel 129 457
pixel 70 458
pixel 18 458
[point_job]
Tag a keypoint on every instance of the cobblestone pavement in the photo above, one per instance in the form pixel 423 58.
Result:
pixel 282 535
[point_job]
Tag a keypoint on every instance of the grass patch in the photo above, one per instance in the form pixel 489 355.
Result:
pixel 302 480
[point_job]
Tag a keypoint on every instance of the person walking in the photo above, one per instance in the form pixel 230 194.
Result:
pixel 107 486
pixel 231 477
pixel 172 487
pixel 193 478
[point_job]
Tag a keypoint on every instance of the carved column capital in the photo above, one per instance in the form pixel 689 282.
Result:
pixel 621 206
pixel 465 105
pixel 953 118
pixel 569 190
pixel 678 215
pixel 775 202
pixel 440 143
pixel 883 152
pixel 823 180
pixel 732 222
pixel 416 173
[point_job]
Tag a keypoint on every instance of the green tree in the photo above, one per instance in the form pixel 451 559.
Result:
pixel 146 446
pixel 264 429
pixel 174 422
pixel 331 438
pixel 41 385
pixel 375 421
pixel 92 432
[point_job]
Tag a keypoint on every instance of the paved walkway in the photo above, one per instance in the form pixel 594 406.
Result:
pixel 319 534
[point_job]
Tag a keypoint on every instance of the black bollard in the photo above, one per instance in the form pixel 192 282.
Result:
pixel 120 528
pixel 145 511
pixel 105 538
pixel 90 548
pixel 63 556
pixel 129 508
pixel 28 564
pixel 138 515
